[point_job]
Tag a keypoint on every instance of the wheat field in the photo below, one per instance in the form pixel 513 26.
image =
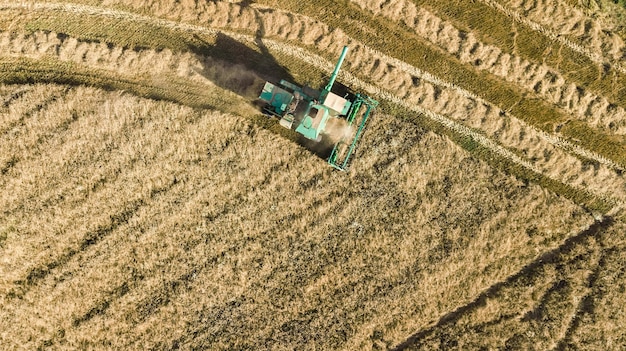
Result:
pixel 147 203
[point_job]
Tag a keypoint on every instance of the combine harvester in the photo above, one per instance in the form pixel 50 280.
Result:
pixel 309 111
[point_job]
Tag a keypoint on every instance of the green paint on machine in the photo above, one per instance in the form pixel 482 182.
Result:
pixel 309 111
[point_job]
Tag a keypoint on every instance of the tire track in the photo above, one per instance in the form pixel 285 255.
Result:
pixel 319 63
pixel 550 257
pixel 46 100
pixel 10 158
pixel 41 135
pixel 14 96
pixel 40 272
pixel 585 305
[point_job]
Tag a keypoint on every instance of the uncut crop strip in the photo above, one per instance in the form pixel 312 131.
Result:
pixel 281 47
pixel 157 291
pixel 554 36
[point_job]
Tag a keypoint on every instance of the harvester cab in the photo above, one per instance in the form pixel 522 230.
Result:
pixel 309 111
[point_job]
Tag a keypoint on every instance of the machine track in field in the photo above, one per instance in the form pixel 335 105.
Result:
pixel 441 106
pixel 549 277
pixel 140 240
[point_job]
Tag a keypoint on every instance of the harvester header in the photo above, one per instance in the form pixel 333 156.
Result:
pixel 309 111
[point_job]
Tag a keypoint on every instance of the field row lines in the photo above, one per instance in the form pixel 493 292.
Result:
pixel 559 93
pixel 595 57
pixel 323 64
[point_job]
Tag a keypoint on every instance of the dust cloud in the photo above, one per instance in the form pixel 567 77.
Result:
pixel 338 129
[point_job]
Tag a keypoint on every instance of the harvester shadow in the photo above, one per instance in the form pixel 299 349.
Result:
pixel 234 66
pixel 321 149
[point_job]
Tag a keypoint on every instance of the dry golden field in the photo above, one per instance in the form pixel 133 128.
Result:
pixel 146 203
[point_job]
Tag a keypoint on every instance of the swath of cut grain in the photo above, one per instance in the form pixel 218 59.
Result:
pixel 552 35
pixel 569 21
pixel 546 81
pixel 443 104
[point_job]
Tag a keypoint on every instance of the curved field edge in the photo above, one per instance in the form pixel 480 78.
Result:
pixel 186 200
pixel 509 97
pixel 294 67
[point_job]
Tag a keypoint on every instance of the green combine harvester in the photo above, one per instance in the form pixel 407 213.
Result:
pixel 309 111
